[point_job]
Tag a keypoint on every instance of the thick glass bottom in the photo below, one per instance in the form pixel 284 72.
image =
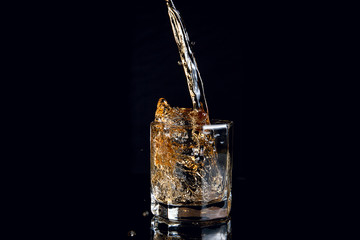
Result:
pixel 218 210
pixel 214 229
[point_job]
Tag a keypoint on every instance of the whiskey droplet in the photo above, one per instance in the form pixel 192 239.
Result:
pixel 132 233
pixel 179 63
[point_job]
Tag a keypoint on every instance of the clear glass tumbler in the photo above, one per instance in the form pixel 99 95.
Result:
pixel 191 170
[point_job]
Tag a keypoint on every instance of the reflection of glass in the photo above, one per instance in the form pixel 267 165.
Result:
pixel 209 230
pixel 191 169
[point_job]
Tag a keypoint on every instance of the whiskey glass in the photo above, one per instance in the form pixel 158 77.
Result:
pixel 191 170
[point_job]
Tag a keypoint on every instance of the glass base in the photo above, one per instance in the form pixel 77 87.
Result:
pixel 219 210
pixel 215 229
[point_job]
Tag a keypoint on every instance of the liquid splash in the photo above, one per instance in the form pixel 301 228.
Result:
pixel 188 61
pixel 184 169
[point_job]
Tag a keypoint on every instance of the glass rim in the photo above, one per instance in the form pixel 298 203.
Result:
pixel 213 122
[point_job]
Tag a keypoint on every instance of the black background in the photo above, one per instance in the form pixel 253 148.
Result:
pixel 96 73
